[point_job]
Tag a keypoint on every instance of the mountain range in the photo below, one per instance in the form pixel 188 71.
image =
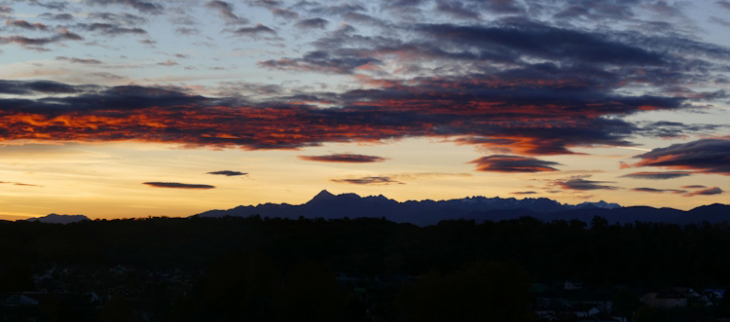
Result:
pixel 428 212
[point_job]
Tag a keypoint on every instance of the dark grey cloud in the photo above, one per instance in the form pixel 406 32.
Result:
pixel 187 31
pixel 724 4
pixel 79 60
pixel 228 173
pixel 524 193
pixel 111 29
pixel 581 184
pixel 513 164
pixel 53 5
pixel 652 190
pixel 321 62
pixel 5 11
pixel 664 129
pixel 126 19
pixel 544 42
pixel 265 3
pixel 36 43
pixel 706 192
pixel 369 181
pixel 284 13
pixel 148 7
pixel 35 87
pixel 57 16
pixel 720 21
pixel 225 10
pixel 704 156
pixel 255 32
pixel 658 175
pixel 696 186
pixel 26 25
pixel 312 23
pixel 457 10
pixel 343 158
pixel 177 185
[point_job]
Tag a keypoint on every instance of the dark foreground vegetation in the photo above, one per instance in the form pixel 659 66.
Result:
pixel 268 269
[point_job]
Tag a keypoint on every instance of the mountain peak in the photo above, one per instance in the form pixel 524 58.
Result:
pixel 321 196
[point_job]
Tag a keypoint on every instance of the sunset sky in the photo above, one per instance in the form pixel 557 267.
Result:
pixel 136 108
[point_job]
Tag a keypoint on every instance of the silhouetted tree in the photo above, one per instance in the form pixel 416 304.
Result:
pixel 480 291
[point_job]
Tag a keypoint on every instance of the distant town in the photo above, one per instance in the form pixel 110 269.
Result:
pixel 255 268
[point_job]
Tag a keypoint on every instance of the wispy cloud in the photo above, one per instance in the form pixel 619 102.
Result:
pixel 369 181
pixel 343 158
pixel 177 185
pixel 228 173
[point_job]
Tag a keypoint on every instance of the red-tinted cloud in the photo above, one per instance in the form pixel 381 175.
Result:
pixel 344 158
pixel 151 114
pixel 705 192
pixel 704 156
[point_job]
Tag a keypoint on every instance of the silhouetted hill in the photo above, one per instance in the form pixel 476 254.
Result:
pixel 59 219
pixel 429 212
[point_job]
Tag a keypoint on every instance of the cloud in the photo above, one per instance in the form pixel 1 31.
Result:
pixel 53 5
pixel 177 185
pixel 5 10
pixel 523 193
pixel 705 192
pixel 343 158
pixel 696 186
pixel 657 175
pixel 652 190
pixel 187 31
pixel 254 32
pixel 57 16
pixel 284 13
pixel 426 175
pixel 164 114
pixel 724 4
pixel 320 62
pixel 79 60
pixel 168 63
pixel 228 173
pixel 111 29
pixel 34 43
pixel 147 7
pixel 457 10
pixel 225 10
pixel 581 184
pixel 710 156
pixel 26 25
pixel 20 184
pixel 119 19
pixel 511 163
pixel 318 23
pixel 34 87
pixel 369 181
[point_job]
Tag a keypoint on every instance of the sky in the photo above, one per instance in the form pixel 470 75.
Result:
pixel 137 108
